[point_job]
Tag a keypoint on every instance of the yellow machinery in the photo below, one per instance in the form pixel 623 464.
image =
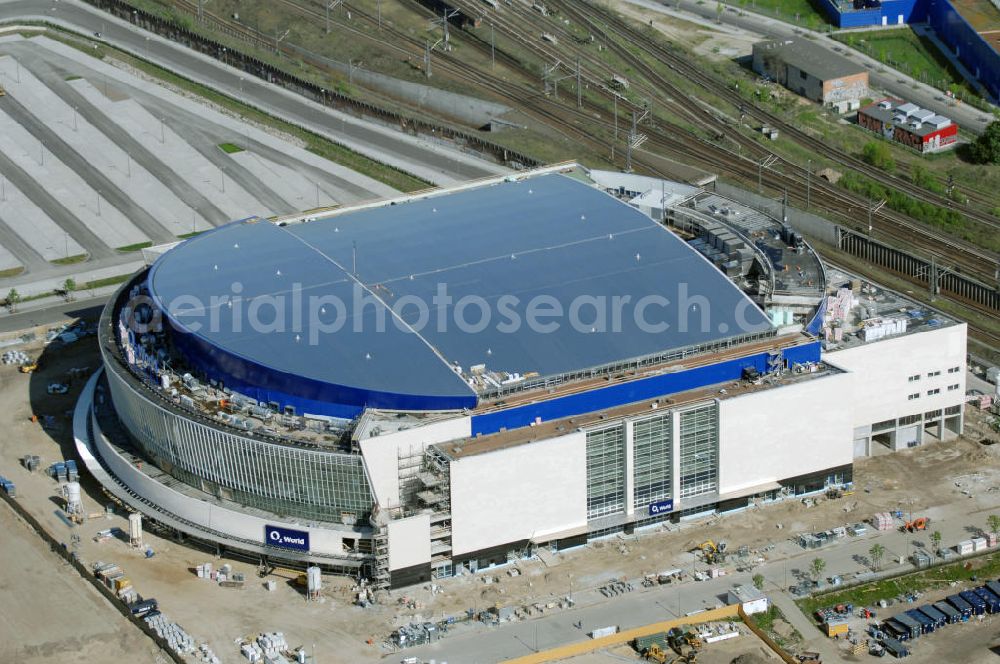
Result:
pixel 28 368
pixel 656 654
pixel 713 552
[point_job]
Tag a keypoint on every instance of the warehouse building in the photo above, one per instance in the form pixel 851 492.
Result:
pixel 813 72
pixel 598 370
pixel 906 123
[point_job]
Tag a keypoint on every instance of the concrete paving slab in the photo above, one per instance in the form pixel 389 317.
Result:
pixel 7 260
pixel 111 226
pixel 297 190
pixel 229 128
pixel 101 151
pixel 146 128
pixel 36 108
pixel 34 227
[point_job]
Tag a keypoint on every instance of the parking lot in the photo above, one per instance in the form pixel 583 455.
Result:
pixel 98 161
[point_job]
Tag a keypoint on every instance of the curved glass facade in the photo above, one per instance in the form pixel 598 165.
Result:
pixel 282 479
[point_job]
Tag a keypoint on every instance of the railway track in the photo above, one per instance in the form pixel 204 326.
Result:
pixel 623 30
pixel 519 20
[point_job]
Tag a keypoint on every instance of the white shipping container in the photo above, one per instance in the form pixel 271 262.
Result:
pixel 601 632
pixel 963 547
pixel 978 543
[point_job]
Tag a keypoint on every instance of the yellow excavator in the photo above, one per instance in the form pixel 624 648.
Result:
pixel 658 654
pixel 714 553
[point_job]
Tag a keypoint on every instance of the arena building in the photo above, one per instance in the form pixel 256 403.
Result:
pixel 452 380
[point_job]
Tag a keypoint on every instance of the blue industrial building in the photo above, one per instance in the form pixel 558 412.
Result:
pixel 975 51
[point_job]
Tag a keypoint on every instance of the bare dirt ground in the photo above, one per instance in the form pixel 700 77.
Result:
pixel 52 616
pixel 724 43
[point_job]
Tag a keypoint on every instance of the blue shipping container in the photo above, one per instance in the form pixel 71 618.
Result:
pixel 960 605
pixel 978 605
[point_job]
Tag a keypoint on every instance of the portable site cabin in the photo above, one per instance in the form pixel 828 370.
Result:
pixel 939 618
pixel 912 628
pixel 926 624
pixel 961 606
pixel 948 610
pixel 895 648
pixel 978 605
pixel 992 601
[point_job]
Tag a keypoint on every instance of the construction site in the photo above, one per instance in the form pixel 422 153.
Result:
pixel 609 582
pixel 529 413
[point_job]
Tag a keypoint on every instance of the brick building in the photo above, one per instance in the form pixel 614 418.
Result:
pixel 907 123
pixel 813 72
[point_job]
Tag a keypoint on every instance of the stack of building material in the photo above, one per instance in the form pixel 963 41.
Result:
pixel 883 521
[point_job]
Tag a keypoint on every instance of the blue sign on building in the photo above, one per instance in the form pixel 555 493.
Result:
pixel 661 507
pixel 286 538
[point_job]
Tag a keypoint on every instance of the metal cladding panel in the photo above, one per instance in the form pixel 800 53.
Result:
pixel 371 270
pixel 631 392
pixel 816 324
pixel 304 394
pixel 801 354
pixel 976 53
pixel 913 11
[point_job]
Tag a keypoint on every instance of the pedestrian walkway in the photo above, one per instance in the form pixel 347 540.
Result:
pixel 812 637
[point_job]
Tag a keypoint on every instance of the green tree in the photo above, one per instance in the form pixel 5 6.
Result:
pixel 986 148
pixel 936 540
pixel 13 298
pixel 758 581
pixel 877 552
pixel 69 286
pixel 993 520
pixel 878 154
pixel 816 567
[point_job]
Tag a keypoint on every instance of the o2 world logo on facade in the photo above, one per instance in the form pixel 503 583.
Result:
pixel 286 538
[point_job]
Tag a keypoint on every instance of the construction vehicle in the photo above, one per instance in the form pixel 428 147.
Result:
pixel 714 553
pixel 28 368
pixel 920 523
pixel 684 641
pixel 656 654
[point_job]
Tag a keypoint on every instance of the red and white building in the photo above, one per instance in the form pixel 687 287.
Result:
pixel 907 123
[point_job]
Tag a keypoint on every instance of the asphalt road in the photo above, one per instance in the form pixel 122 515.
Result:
pixel 48 313
pixel 894 82
pixel 437 163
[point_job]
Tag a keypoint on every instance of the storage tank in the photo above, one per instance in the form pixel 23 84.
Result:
pixel 313 580
pixel 135 529
pixel 72 492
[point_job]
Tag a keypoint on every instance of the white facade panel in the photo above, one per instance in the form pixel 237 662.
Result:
pixel 381 453
pixel 410 541
pixel 885 391
pixel 784 432
pixel 529 491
